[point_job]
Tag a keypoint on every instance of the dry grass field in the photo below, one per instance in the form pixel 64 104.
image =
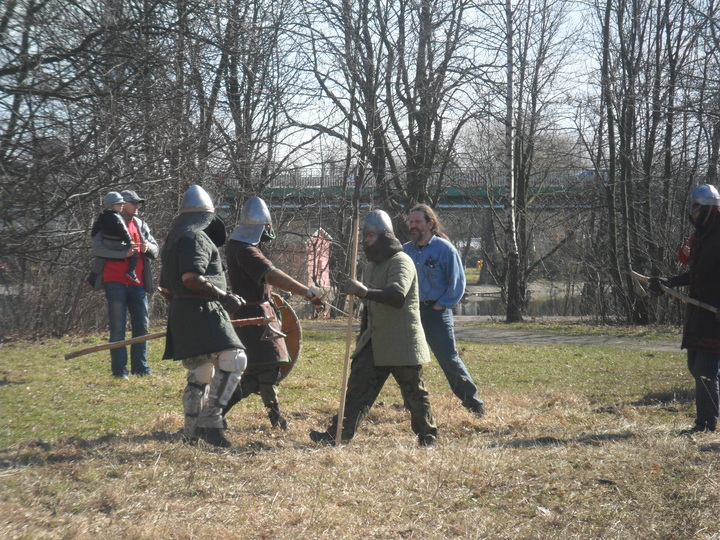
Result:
pixel 579 442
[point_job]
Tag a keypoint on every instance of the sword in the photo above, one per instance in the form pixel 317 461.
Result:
pixel 338 310
pixel 638 278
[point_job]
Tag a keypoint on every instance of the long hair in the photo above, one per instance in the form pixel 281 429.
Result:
pixel 430 215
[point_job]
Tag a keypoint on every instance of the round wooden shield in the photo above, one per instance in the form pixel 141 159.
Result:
pixel 290 326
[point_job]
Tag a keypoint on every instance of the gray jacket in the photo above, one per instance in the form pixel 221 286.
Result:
pixel 99 249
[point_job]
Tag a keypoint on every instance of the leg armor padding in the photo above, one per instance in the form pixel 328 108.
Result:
pixel 231 364
pixel 199 374
pixel 232 360
pixel 193 400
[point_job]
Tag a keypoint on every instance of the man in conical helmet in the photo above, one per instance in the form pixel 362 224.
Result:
pixel 253 276
pixel 200 333
pixel 701 332
pixel 391 339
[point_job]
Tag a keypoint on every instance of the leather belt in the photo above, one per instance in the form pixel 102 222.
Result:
pixel 428 302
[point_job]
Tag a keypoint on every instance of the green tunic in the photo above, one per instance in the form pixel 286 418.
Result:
pixel 195 325
pixel 397 334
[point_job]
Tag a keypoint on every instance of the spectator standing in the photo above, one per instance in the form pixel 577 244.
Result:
pixel 122 294
pixel 115 235
pixel 442 284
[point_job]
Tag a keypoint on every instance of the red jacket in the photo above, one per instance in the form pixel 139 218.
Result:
pixel 684 253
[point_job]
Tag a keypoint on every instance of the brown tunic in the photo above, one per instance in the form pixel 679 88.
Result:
pixel 247 267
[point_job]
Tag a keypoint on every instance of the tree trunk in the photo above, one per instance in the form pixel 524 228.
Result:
pixel 514 296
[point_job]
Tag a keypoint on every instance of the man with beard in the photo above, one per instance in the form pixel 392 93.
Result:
pixel 701 332
pixel 391 338
pixel 199 331
pixel 441 278
pixel 253 276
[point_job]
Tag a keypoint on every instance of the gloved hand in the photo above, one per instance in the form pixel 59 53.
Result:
pixel 353 286
pixel 655 282
pixel 316 295
pixel 232 302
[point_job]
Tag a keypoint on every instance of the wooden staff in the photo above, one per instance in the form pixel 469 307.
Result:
pixel 255 321
pixel 350 306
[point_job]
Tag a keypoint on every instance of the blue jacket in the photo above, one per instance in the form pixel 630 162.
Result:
pixel 441 275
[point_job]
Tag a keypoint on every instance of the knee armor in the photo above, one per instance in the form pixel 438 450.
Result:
pixel 231 364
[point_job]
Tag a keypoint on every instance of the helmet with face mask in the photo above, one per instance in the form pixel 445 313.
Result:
pixel 196 212
pixel 703 195
pixel 377 222
pixel 255 222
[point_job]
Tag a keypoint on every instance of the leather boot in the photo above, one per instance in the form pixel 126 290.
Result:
pixel 322 437
pixel 276 418
pixel 214 436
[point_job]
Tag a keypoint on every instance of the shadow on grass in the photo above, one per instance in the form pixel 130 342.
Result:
pixel 673 395
pixel 6 382
pixel 590 439
pixel 713 447
pixel 40 453
pixel 672 400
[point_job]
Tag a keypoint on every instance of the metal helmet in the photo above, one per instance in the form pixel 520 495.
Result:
pixel 254 217
pixel 379 223
pixel 703 195
pixel 195 214
pixel 196 199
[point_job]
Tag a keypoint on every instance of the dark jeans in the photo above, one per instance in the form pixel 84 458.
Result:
pixel 439 327
pixel 705 368
pixel 123 299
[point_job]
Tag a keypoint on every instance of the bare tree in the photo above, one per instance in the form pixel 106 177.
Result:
pixel 648 62
pixel 397 75
pixel 72 76
pixel 538 39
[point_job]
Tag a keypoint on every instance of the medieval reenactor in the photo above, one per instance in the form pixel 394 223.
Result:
pixel 391 342
pixel 701 333
pixel 252 275
pixel 199 331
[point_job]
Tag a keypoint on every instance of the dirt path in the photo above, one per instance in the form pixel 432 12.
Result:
pixel 471 329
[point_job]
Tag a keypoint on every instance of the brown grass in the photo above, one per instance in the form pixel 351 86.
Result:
pixel 547 461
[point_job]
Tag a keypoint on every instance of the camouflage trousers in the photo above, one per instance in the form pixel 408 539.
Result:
pixel 365 382
pixel 201 411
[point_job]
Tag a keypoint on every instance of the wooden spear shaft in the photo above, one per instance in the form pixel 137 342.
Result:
pixel 256 321
pixel 350 308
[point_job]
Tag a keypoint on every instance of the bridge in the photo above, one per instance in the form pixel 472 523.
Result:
pixel 465 189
